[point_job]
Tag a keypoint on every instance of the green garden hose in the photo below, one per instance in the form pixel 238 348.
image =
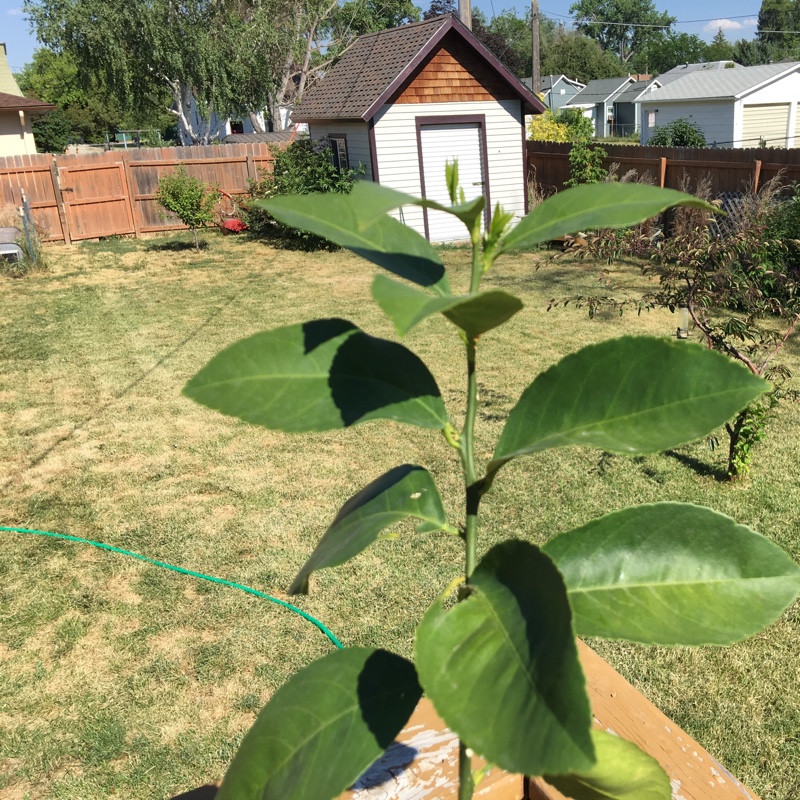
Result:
pixel 183 571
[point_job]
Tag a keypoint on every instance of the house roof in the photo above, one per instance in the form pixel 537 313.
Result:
pixel 8 84
pixel 684 69
pixel 549 81
pixel 14 102
pixel 377 64
pixel 632 93
pixel 599 91
pixel 722 84
pixel 273 136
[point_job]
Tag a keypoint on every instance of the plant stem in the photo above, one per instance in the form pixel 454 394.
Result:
pixel 468 461
pixel 466 783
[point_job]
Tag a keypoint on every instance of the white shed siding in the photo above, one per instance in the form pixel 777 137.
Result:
pixel 714 117
pixel 398 159
pixel 777 92
pixel 357 134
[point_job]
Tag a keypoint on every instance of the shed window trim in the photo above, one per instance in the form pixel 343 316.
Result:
pixel 339 152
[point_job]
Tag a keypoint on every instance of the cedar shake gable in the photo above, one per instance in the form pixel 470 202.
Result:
pixel 438 60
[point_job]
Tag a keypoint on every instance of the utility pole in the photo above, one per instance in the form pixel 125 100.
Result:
pixel 536 78
pixel 465 12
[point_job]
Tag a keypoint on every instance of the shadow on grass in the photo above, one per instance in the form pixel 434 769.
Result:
pixel 174 246
pixel 699 467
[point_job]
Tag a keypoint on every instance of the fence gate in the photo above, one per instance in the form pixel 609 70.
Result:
pixel 95 196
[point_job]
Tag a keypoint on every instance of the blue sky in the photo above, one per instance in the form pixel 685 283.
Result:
pixel 740 23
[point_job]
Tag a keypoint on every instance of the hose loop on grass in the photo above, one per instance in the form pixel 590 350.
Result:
pixel 183 571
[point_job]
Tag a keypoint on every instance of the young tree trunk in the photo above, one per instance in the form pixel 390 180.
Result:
pixel 735 435
pixel 196 240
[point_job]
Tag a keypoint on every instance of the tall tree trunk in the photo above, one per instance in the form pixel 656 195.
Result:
pixel 255 122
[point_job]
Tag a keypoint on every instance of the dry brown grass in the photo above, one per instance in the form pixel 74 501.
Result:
pixel 118 676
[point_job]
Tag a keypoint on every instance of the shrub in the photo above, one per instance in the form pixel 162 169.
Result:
pixel 305 167
pixel 579 126
pixel 547 127
pixel 585 163
pixel 678 133
pixel 191 200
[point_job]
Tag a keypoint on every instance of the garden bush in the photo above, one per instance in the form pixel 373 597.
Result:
pixel 304 167
pixel 678 133
pixel 191 200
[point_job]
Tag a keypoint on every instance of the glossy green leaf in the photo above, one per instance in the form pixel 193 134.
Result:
pixel 592 206
pixel 324 727
pixel 628 395
pixel 473 313
pixel 405 491
pixel 318 376
pixel 359 222
pixel 502 668
pixel 673 574
pixel 622 772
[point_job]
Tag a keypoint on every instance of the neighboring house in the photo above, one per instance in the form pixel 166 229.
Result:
pixel 685 69
pixel 742 107
pixel 406 100
pixel 556 90
pixel 627 117
pixel 597 102
pixel 16 134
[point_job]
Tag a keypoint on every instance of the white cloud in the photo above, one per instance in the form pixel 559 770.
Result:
pixel 14 12
pixel 725 24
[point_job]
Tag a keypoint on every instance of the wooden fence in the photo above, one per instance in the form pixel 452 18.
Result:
pixel 730 170
pixel 113 193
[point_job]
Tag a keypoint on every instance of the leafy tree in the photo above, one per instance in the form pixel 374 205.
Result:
pixel 508 37
pixel 775 19
pixel 667 51
pixel 579 57
pixel 498 661
pixel 752 52
pixel 585 162
pixel 720 48
pixel 87 110
pixel 678 133
pixel 191 200
pixel 618 29
pixel 438 8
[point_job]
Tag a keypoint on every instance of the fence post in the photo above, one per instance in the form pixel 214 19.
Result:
pixel 663 178
pixel 757 176
pixel 62 214
pixel 252 172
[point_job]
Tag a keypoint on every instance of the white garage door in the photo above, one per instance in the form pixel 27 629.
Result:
pixel 440 144
pixel 768 123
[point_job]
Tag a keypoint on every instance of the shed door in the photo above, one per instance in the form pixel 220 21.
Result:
pixel 768 122
pixel 442 143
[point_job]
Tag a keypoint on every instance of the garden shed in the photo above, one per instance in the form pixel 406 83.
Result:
pixel 739 107
pixel 403 101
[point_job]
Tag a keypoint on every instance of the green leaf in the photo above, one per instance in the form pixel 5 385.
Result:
pixel 502 668
pixel 405 491
pixel 622 772
pixel 318 376
pixel 629 395
pixel 473 313
pixel 673 574
pixel 358 221
pixel 601 205
pixel 324 727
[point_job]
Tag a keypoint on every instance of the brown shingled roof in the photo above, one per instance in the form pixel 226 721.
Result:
pixel 11 102
pixel 377 63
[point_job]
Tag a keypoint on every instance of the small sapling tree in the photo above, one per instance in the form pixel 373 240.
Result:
pixel 501 665
pixel 191 200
